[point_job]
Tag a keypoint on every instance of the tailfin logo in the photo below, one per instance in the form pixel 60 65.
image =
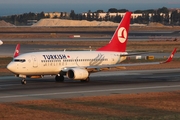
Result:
pixel 17 51
pixel 122 35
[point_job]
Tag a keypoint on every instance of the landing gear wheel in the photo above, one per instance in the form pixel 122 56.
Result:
pixel 23 81
pixel 59 78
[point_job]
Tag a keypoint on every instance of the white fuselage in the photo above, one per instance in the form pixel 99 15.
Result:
pixel 51 63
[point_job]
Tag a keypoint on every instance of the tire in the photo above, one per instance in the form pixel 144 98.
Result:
pixel 59 78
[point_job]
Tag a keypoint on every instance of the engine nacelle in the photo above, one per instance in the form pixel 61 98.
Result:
pixel 77 74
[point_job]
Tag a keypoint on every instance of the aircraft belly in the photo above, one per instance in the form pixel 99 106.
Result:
pixel 39 73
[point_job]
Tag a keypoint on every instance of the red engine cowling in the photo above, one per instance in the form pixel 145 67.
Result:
pixel 77 73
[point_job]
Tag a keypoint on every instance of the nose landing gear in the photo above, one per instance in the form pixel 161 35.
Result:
pixel 23 81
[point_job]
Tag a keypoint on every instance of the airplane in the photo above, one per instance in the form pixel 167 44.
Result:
pixel 1 42
pixel 77 65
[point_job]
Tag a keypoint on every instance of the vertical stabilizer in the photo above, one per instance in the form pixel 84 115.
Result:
pixel 120 37
pixel 16 52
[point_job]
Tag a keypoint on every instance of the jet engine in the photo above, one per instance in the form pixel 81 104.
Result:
pixel 77 74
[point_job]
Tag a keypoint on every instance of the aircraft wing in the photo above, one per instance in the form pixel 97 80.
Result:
pixel 92 69
pixel 123 66
pixel 132 54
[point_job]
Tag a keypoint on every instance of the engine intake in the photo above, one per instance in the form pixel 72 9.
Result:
pixel 77 74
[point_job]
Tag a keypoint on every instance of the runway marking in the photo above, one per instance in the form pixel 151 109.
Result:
pixel 91 91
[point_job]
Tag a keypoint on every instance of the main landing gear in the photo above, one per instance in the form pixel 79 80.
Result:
pixel 23 81
pixel 86 80
pixel 59 78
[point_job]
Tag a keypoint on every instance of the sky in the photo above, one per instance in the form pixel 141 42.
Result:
pixel 9 7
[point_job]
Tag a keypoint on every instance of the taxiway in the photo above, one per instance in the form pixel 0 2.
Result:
pixel 102 83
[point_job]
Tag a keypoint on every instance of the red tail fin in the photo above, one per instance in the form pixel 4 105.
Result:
pixel 119 39
pixel 16 52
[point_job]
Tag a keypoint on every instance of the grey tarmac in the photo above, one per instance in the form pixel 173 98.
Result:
pixel 102 83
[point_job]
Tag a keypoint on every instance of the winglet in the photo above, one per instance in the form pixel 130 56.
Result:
pixel 16 52
pixel 170 57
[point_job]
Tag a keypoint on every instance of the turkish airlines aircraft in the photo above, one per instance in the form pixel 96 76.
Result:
pixel 76 65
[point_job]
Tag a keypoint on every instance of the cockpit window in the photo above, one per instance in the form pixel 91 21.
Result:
pixel 19 60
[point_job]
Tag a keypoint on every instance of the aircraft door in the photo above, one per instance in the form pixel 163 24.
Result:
pixel 35 62
pixel 112 58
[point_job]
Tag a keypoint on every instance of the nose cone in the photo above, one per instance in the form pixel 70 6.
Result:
pixel 11 67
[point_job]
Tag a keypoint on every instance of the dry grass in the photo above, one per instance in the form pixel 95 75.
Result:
pixel 146 106
pixel 86 29
pixel 65 32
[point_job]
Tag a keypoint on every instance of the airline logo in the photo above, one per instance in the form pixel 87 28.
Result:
pixel 55 57
pixel 17 51
pixel 122 35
